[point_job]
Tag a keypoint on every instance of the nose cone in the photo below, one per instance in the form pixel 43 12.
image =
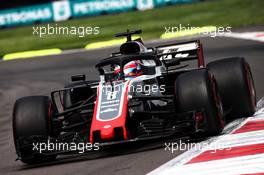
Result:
pixel 109 118
pixel 107 132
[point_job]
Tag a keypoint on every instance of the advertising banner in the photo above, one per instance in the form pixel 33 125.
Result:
pixel 91 8
pixel 26 15
pixel 64 10
pixel 170 2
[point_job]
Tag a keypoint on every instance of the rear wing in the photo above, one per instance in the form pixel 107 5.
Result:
pixel 174 54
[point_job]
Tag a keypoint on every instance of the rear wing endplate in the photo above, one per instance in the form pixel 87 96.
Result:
pixel 179 52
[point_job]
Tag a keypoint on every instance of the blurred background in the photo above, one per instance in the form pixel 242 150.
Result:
pixel 17 19
pixel 16 3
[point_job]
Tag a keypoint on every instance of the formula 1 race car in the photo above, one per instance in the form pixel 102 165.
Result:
pixel 163 95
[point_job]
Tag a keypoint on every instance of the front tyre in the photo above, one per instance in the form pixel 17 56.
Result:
pixel 31 117
pixel 197 91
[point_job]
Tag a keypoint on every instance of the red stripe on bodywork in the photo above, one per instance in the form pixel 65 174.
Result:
pixel 94 113
pixel 200 55
pixel 251 126
pixel 119 122
pixel 232 152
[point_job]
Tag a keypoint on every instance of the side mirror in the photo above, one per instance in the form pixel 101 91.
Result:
pixel 78 78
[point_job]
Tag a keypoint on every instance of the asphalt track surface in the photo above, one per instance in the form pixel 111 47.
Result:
pixel 39 76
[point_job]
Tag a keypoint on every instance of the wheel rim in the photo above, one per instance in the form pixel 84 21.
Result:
pixel 219 105
pixel 250 86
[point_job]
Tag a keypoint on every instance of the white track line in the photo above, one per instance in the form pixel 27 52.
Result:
pixel 255 36
pixel 194 152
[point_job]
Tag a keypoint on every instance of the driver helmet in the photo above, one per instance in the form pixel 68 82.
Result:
pixel 131 70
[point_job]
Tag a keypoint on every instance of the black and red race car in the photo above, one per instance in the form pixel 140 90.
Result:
pixel 172 96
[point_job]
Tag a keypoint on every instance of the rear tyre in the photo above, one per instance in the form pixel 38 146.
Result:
pixel 196 91
pixel 32 116
pixel 236 86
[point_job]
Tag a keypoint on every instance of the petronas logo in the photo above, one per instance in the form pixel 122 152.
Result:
pixel 61 10
pixel 145 4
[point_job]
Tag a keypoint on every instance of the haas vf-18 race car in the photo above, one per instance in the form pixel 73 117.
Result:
pixel 143 94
